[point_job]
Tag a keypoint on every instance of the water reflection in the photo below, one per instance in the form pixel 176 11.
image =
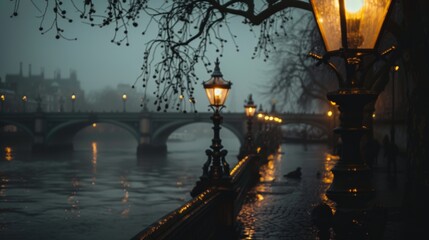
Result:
pixel 327 178
pixel 126 206
pixel 94 161
pixel 263 214
pixel 8 154
pixel 102 181
pixel 73 211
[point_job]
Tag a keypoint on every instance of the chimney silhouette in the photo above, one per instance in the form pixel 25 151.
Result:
pixel 20 68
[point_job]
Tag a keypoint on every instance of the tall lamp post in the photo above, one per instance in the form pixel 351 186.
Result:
pixel 250 109
pixel 215 169
pixel 350 30
pixel 124 101
pixel 73 100
pixel 2 99
pixel 24 103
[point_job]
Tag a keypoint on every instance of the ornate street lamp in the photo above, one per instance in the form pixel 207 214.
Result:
pixel 2 99
pixel 24 103
pixel 73 99
pixel 250 109
pixel 217 90
pixel 124 100
pixel 350 30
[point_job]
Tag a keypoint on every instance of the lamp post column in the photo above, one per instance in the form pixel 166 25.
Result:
pixel 219 167
pixel 124 102
pixel 73 99
pixel 24 103
pixel 215 169
pixel 2 98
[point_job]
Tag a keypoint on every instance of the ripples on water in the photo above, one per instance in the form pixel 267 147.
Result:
pixel 99 191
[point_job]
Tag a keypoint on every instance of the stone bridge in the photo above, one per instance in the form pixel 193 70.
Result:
pixel 54 131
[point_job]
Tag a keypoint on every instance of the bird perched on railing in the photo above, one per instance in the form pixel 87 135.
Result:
pixel 294 174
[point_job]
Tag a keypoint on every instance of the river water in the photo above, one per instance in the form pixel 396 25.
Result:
pixel 100 191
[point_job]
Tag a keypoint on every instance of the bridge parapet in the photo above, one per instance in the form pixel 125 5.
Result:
pixel 51 130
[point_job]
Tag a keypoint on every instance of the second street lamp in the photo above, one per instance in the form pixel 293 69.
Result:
pixel 2 99
pixel 250 109
pixel 124 101
pixel 73 99
pixel 216 169
pixel 24 103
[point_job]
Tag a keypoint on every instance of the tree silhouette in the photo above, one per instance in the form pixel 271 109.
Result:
pixel 186 32
pixel 298 83
pixel 189 29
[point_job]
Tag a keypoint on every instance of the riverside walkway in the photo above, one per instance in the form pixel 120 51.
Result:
pixel 280 208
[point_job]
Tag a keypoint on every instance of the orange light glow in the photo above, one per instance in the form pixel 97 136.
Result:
pixel 396 68
pixel 8 151
pixel 329 113
pixel 94 125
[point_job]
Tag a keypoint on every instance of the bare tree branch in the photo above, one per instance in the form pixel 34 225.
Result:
pixel 187 31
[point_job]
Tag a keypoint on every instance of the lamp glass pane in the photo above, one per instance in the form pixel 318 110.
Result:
pixel 217 96
pixel 364 19
pixel 250 111
pixel 328 20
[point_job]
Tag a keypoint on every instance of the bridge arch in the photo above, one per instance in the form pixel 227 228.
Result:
pixel 323 126
pixel 162 133
pixel 19 125
pixel 63 133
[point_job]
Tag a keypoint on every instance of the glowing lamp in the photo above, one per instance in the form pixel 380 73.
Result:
pixel 217 88
pixel 350 24
pixel 250 107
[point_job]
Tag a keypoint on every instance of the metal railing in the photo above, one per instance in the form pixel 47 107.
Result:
pixel 210 215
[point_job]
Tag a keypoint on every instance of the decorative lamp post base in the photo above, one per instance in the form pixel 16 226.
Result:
pixel 215 169
pixel 352 188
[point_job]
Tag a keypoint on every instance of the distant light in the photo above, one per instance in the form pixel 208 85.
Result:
pixel 396 68
pixel 124 97
pixel 3 97
pixel 94 125
pixel 329 113
pixel 333 103
pixel 8 151
pixel 373 115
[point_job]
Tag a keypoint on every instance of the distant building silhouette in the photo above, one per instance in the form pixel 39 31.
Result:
pixel 52 92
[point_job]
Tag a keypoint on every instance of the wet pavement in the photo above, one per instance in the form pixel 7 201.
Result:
pixel 280 208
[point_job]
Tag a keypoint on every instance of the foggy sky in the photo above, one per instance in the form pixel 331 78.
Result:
pixel 100 63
